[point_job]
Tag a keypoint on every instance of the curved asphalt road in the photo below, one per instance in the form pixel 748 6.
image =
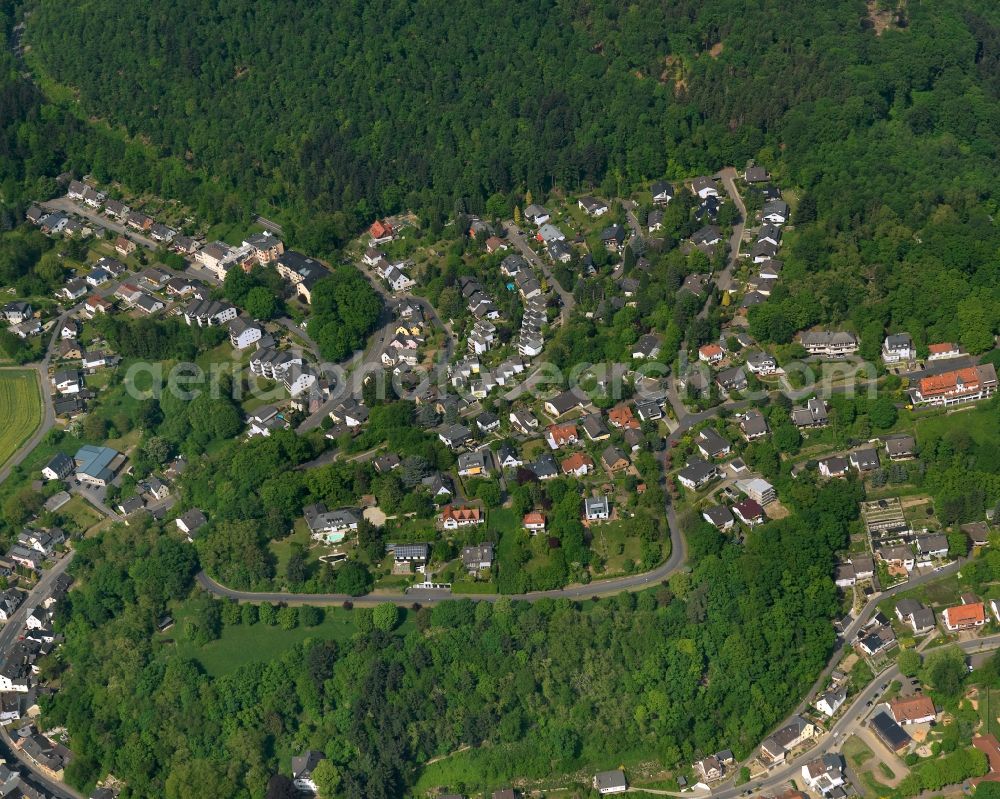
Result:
pixel 614 585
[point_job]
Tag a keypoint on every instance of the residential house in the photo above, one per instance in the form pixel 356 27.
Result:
pixel 648 346
pixel 931 546
pixel 613 237
pixel 749 512
pixel 898 557
pixel 711 353
pixel 622 418
pixel 302 768
pixel 943 351
pixel 608 782
pixel 704 187
pixel 662 191
pixel 455 516
pixel 775 212
pixel 594 427
pixel 761 363
pixel 830 344
pixel 898 348
pixel 148 304
pixel 865 460
pixel 562 404
pixel 454 435
pixel 654 220
pixel 720 516
pixel 753 425
pixel 525 423
pixel 770 234
pixel 16 313
pixel 95 305
pixel 696 474
pixel 614 460
pixel 478 558
pixel 596 509
pixel 825 775
pixel 978 533
pixel 548 233
pixel 796 732
pixel 507 457
pixel 814 414
pixel 328 526
pixel 709 769
pixel 829 702
pixel 478 463
pixel 969 384
pixel 544 467
pixel 592 206
pixel 536 214
pixel 73 290
pixel 68 381
pixel 834 467
pixel 244 332
pixel 578 464
pixel 708 236
pixel 381 231
pixel 731 379
pixel 712 444
pixel 900 447
pixel 964 616
pixel 59 467
pixel 266 246
pixel 534 522
pixel 190 522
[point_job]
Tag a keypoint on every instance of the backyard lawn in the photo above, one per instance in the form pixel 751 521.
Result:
pixel 20 408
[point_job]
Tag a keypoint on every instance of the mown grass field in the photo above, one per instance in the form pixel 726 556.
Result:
pixel 20 409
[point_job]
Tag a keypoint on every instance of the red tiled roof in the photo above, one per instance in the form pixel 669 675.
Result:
pixel 948 381
pixel 911 708
pixel 937 349
pixel 974 613
pixel 575 461
pixel 460 514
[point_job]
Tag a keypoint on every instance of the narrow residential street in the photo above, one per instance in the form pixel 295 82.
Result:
pixel 565 297
pixel 8 637
pixel 68 206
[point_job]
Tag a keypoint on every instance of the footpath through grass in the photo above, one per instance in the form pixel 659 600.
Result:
pixel 20 409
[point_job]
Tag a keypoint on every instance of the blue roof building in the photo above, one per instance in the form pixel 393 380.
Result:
pixel 96 465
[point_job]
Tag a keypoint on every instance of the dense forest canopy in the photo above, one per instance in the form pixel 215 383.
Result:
pixel 361 107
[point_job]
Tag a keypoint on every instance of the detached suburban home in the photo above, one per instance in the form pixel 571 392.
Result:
pixel 592 206
pixel 943 351
pixel 455 516
pixel 662 191
pixel 608 782
pixel 964 616
pixel 834 467
pixel 775 747
pixel 831 701
pixel 697 474
pixel 898 348
pixel 712 444
pixel 704 187
pixel 719 516
pixel 775 212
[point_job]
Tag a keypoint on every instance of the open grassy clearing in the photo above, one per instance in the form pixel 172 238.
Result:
pixel 20 409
